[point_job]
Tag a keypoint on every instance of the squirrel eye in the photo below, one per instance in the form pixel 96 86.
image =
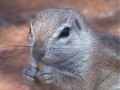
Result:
pixel 30 35
pixel 65 32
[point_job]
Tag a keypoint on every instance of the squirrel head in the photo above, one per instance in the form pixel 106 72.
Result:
pixel 57 35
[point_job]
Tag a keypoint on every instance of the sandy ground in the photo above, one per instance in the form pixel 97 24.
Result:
pixel 14 47
pixel 14 56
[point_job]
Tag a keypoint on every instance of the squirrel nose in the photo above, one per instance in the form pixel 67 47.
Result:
pixel 38 51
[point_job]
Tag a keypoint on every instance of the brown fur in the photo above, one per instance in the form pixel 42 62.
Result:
pixel 102 63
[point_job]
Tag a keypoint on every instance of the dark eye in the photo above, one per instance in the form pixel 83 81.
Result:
pixel 30 35
pixel 65 32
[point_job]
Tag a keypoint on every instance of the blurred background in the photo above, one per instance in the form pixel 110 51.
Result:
pixel 14 19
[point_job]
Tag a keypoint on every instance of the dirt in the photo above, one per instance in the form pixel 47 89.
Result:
pixel 14 19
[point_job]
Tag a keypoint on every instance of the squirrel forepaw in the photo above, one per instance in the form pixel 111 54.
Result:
pixel 46 75
pixel 29 74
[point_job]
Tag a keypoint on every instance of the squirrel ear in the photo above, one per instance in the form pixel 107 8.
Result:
pixel 78 24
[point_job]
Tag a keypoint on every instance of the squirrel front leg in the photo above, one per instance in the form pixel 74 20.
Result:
pixel 61 79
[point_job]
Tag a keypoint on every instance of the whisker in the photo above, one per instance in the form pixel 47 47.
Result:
pixel 53 54
pixel 20 45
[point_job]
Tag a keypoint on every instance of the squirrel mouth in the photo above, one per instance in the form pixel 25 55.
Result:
pixel 49 60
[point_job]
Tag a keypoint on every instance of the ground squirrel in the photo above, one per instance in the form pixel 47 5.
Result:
pixel 74 56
